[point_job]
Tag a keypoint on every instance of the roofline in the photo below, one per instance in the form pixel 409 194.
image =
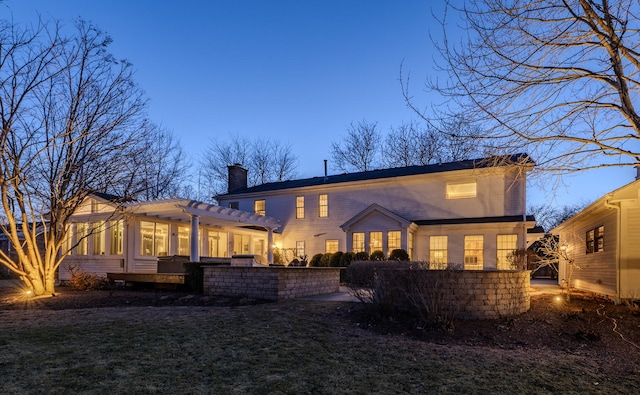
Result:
pixel 478 220
pixel 522 159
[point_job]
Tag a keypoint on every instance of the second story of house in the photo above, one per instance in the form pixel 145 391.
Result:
pixel 481 188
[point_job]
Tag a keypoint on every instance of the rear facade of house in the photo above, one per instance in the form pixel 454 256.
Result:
pixel 467 213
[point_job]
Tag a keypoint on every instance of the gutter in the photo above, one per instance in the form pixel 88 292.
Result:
pixel 616 207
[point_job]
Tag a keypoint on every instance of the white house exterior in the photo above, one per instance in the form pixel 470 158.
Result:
pixel 469 212
pixel 602 242
pixel 105 236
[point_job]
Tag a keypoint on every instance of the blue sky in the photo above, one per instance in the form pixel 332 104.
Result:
pixel 297 71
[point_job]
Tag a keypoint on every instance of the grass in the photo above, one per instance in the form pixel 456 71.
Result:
pixel 281 348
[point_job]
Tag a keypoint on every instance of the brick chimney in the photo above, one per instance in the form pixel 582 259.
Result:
pixel 237 178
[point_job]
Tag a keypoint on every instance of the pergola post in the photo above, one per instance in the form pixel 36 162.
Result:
pixel 194 255
pixel 270 246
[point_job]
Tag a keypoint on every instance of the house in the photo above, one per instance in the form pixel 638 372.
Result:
pixel 471 213
pixel 106 235
pixel 601 244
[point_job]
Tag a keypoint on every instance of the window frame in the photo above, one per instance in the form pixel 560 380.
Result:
pixel 329 242
pixel 391 247
pixel 594 240
pixel 478 255
pixel 299 207
pixel 502 253
pixel 323 205
pixel 458 190
pixel 438 244
pixel 260 207
pixel 360 247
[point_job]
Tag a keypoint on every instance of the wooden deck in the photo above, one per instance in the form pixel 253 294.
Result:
pixel 155 278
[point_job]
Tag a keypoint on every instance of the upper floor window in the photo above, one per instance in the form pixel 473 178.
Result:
pixel 595 240
pixel 234 205
pixel 299 207
pixel 323 206
pixel 259 207
pixel 461 190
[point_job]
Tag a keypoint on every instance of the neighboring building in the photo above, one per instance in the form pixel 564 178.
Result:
pixel 470 213
pixel 602 242
pixel 109 236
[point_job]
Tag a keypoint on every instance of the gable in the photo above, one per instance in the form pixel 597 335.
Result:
pixel 375 217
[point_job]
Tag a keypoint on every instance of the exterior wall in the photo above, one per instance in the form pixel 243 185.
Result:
pixel 630 250
pixel 420 197
pixel 476 294
pixel 270 283
pixel 455 237
pixel 597 271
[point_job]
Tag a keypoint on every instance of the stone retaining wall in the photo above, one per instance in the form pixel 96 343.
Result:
pixel 270 283
pixel 465 294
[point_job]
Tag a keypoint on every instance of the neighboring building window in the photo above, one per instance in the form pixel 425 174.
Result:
pixel 98 238
pixel 375 241
pixel 461 190
pixel 184 242
pixel 506 246
pixel 117 237
pixel 358 242
pixel 259 207
pixel 218 244
pixel 323 206
pixel 394 240
pixel 438 254
pixel 82 233
pixel 155 239
pixel 330 246
pixel 300 251
pixel 595 240
pixel 234 205
pixel 473 252
pixel 299 207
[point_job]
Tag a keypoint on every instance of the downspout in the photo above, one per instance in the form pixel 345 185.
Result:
pixel 619 231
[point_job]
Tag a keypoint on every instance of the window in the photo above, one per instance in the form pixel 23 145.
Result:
pixel 82 232
pixel 375 241
pixel 234 205
pixel 358 242
pixel 117 237
pixel 323 206
pixel 393 240
pixel 506 245
pixel 259 207
pixel 299 207
pixel 218 244
pixel 300 249
pixel 184 242
pixel 330 246
pixel 241 244
pixel 461 190
pixel 68 241
pixel 98 238
pixel 473 252
pixel 595 240
pixel 155 239
pixel 438 255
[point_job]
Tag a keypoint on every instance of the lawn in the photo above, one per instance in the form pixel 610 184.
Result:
pixel 277 348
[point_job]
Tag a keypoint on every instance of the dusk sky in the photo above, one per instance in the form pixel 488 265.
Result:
pixel 296 71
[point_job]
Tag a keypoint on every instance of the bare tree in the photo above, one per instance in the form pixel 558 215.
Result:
pixel 360 148
pixel 266 160
pixel 409 145
pixel 71 120
pixel 549 216
pixel 558 79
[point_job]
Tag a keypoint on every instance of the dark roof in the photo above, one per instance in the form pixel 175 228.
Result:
pixel 111 198
pixel 494 161
pixel 479 220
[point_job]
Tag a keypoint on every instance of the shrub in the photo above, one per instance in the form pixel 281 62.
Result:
pixel 325 261
pixel 82 281
pixel 336 259
pixel 377 256
pixel 315 260
pixel 399 255
pixel 362 256
pixel 361 277
pixel 347 258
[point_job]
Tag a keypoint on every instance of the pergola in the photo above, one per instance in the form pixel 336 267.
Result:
pixel 196 213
